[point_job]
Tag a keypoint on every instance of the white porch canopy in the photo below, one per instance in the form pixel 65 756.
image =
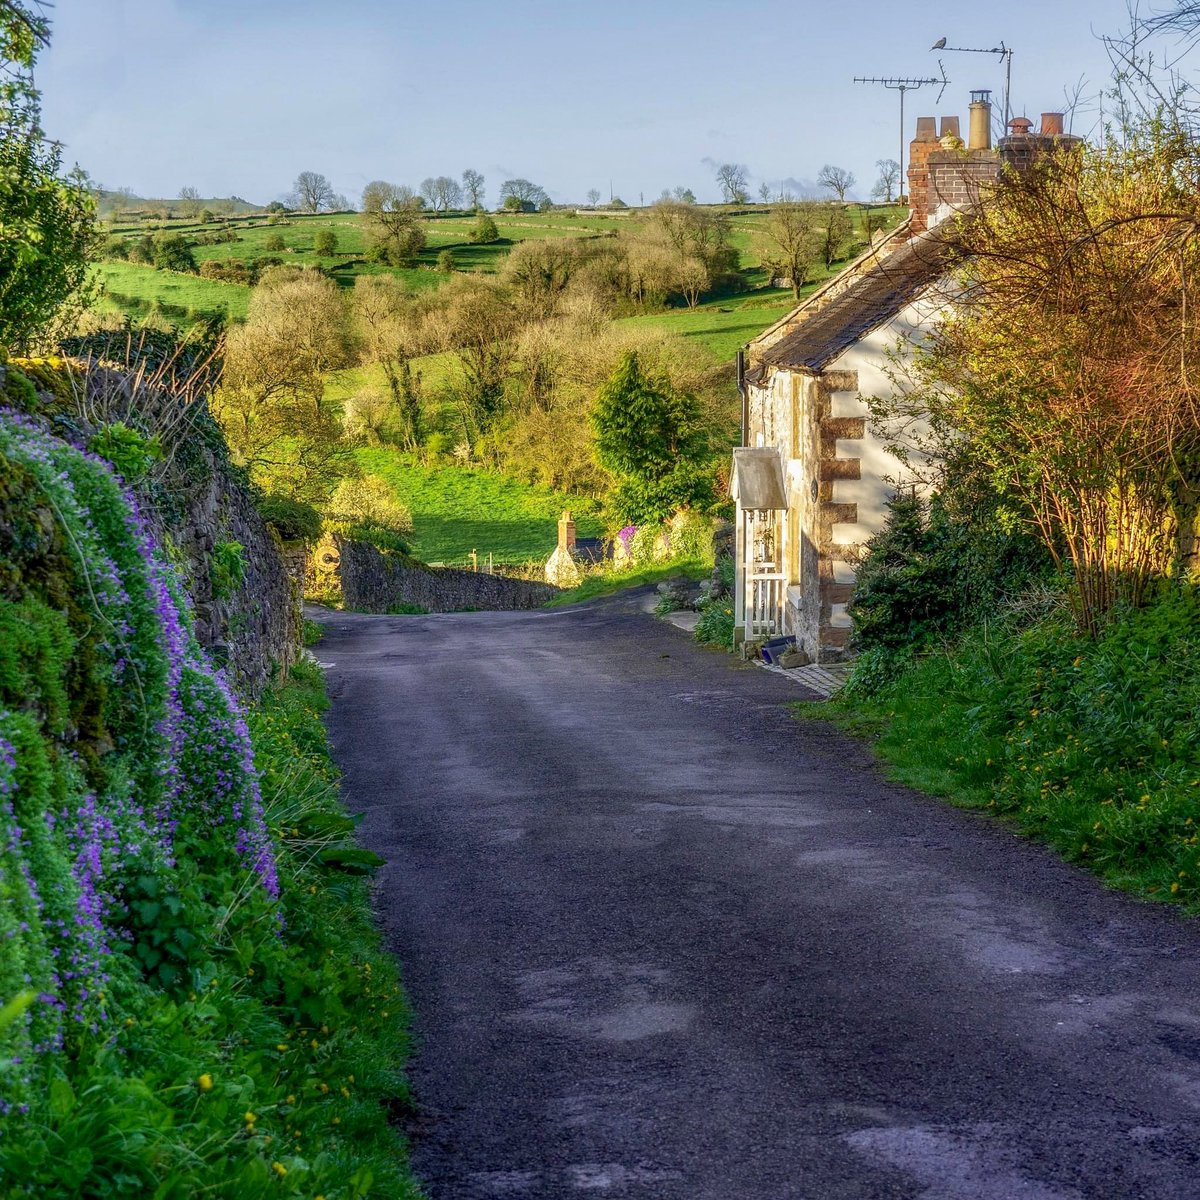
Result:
pixel 757 485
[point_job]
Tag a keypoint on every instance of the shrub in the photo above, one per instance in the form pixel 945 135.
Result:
pixel 484 230
pixel 446 263
pixel 131 453
pixel 937 567
pixel 227 568
pixel 173 253
pixel 325 243
pixel 293 520
pixel 275 243
pixel 371 501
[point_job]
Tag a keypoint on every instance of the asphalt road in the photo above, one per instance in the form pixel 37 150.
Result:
pixel 665 942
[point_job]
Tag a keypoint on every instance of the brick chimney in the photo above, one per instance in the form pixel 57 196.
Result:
pixel 1022 146
pixel 919 150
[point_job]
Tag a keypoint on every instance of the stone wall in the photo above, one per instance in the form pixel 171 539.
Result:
pixel 375 582
pixel 192 500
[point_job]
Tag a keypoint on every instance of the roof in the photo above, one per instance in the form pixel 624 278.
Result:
pixel 757 480
pixel 877 296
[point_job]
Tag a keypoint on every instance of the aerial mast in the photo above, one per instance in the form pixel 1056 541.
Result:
pixel 902 84
pixel 1005 53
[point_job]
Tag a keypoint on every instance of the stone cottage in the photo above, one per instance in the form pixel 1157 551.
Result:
pixel 812 480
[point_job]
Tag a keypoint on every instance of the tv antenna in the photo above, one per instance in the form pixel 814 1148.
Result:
pixel 896 83
pixel 1005 53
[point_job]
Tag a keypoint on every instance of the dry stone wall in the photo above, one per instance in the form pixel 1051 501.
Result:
pixel 374 582
pixel 193 501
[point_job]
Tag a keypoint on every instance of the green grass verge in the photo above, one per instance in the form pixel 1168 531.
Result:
pixel 1090 745
pixel 280 1072
pixel 456 511
pixel 606 582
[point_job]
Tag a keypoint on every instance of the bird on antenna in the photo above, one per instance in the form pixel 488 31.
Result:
pixel 940 44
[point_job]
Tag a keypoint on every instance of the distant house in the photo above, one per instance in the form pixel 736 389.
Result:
pixel 813 479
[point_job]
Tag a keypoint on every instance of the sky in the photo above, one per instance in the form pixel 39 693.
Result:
pixel 236 97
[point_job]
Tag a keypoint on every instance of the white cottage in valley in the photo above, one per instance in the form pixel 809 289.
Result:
pixel 813 479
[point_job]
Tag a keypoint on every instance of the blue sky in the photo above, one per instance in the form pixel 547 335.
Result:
pixel 238 96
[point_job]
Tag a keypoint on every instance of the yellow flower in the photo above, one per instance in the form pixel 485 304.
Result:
pixel 205 1082
pixel 346 1092
pixel 337 1120
pixel 279 1169
pixel 291 1100
pixel 250 1118
pixel 1174 887
pixel 314 1043
pixel 281 1045
pixel 350 1077
pixel 324 1088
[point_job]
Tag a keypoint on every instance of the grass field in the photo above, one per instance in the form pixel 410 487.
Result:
pixel 726 324
pixel 456 511
pixel 135 289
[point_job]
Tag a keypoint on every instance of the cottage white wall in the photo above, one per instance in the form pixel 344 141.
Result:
pixel 880 471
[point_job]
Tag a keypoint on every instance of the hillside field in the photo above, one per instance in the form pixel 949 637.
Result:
pixel 720 325
pixel 456 511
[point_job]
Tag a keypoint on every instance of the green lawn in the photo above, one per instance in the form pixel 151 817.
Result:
pixel 456 511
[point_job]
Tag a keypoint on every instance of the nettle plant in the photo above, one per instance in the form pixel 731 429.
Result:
pixel 130 813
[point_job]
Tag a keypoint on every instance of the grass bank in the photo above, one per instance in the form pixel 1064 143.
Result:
pixel 456 511
pixel 1092 746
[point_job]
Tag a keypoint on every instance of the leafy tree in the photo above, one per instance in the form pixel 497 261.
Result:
pixel 271 402
pixel 1069 366
pixel 47 232
pixel 795 242
pixel 476 321
pixel 888 181
pixel 683 195
pixel 325 243
pixel 446 263
pixel 733 180
pixel 386 322
pixel 313 192
pixel 837 231
pixel 649 436
pixel 396 229
pixel 173 253
pixel 473 183
pixel 836 180
pixel 521 195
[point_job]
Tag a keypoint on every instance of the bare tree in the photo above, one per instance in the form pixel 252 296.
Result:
pixel 313 192
pixel 733 180
pixel 442 193
pixel 191 200
pixel 472 183
pixel 764 192
pixel 889 179
pixel 593 196
pixel 836 180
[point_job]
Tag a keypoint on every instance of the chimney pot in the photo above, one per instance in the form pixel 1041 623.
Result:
pixel 926 129
pixel 950 128
pixel 1020 126
pixel 980 121
pixel 1052 124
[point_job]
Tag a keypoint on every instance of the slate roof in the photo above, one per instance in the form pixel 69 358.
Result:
pixel 877 296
